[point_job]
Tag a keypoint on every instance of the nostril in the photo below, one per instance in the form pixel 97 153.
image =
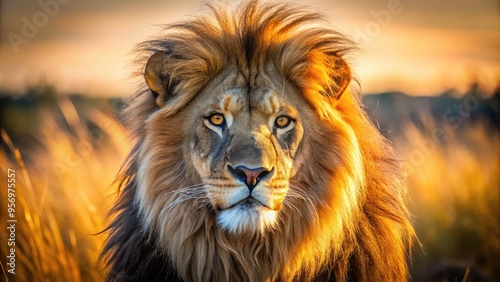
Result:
pixel 263 174
pixel 240 174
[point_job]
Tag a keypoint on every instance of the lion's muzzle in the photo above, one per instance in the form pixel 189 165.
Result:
pixel 251 203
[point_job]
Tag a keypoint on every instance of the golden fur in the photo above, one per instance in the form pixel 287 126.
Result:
pixel 335 198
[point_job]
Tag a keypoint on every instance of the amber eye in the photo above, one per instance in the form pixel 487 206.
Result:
pixel 282 121
pixel 216 119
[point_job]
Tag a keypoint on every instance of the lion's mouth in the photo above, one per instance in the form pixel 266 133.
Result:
pixel 248 203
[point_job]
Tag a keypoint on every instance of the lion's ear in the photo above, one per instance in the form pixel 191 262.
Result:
pixel 341 75
pixel 155 76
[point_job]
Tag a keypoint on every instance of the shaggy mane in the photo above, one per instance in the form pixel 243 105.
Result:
pixel 360 231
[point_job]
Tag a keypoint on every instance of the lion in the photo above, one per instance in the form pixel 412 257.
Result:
pixel 254 159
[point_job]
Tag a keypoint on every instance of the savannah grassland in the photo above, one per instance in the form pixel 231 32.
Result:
pixel 66 152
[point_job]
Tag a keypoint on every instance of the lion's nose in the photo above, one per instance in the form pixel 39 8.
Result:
pixel 251 176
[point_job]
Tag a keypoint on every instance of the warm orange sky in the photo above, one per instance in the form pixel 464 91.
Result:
pixel 422 47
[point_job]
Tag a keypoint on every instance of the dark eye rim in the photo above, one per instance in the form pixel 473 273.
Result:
pixel 209 119
pixel 290 120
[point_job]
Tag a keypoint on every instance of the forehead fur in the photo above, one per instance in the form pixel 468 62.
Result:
pixel 255 38
pixel 265 101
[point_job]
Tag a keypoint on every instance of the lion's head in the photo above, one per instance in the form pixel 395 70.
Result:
pixel 254 159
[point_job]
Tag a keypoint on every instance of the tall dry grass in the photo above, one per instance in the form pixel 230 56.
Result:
pixel 64 192
pixel 454 178
pixel 63 195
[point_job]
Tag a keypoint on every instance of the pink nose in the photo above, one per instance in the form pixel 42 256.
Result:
pixel 251 176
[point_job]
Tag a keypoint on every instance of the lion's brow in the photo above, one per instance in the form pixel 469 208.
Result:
pixel 269 103
pixel 227 102
pixel 231 101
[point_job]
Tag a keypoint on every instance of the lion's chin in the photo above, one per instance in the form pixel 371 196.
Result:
pixel 247 217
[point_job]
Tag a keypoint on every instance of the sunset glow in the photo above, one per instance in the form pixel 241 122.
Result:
pixel 420 48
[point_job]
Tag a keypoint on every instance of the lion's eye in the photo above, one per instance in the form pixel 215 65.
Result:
pixel 216 119
pixel 282 121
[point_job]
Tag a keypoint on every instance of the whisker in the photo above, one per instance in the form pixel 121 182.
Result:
pixel 194 187
pixel 292 205
pixel 195 193
pixel 296 194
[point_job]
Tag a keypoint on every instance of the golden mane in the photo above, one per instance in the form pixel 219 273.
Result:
pixel 358 230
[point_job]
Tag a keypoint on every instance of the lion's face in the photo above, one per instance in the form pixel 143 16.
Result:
pixel 243 145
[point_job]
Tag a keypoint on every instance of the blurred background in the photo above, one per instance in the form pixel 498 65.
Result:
pixel 429 72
